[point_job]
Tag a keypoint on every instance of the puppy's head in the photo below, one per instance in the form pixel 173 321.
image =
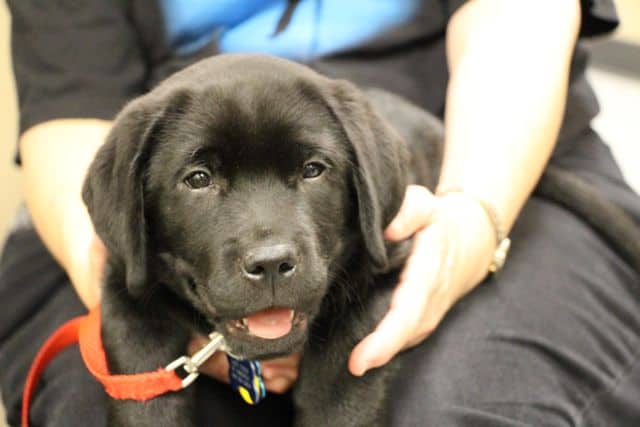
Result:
pixel 244 185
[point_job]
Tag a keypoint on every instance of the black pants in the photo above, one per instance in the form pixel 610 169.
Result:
pixel 553 340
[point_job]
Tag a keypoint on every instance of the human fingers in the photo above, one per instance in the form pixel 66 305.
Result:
pixel 405 318
pixel 280 384
pixel 280 374
pixel 282 364
pixel 217 366
pixel 415 213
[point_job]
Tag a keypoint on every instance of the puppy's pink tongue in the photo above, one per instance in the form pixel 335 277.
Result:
pixel 271 323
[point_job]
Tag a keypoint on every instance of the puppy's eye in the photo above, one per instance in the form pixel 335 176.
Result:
pixel 198 179
pixel 312 170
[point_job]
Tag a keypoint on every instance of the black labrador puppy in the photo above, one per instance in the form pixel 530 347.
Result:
pixel 248 194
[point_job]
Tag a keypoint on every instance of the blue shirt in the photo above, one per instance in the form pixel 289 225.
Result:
pixel 317 27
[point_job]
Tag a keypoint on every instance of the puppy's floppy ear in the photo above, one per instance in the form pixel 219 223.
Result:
pixel 113 188
pixel 381 160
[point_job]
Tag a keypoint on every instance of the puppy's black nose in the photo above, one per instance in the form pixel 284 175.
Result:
pixel 270 264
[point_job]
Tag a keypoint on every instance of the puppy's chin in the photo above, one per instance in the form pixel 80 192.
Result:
pixel 242 343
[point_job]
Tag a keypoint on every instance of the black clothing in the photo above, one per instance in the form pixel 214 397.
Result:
pixel 87 59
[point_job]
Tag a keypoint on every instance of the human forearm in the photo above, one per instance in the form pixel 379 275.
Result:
pixel 55 157
pixel 506 96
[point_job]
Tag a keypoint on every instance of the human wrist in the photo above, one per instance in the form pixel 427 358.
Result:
pixel 80 252
pixel 490 221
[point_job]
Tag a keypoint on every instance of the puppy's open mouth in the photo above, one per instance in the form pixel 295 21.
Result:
pixel 271 324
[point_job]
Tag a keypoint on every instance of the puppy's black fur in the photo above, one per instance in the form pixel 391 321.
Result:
pixel 251 133
pixel 234 159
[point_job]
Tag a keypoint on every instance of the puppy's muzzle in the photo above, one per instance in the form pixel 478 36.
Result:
pixel 273 264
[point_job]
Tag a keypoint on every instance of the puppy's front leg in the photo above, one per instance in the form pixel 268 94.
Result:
pixel 139 339
pixel 326 393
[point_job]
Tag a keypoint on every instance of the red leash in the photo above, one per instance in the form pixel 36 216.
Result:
pixel 86 331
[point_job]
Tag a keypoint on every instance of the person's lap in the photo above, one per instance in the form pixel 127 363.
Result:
pixel 552 340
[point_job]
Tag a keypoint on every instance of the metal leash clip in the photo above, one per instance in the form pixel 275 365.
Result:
pixel 191 364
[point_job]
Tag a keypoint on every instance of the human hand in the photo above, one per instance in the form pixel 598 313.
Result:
pixel 453 246
pixel 85 256
pixel 279 374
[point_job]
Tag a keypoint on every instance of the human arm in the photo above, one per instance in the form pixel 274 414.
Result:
pixel 74 64
pixel 505 104
pixel 52 188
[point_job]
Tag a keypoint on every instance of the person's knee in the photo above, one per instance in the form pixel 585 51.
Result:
pixel 479 382
pixel 68 395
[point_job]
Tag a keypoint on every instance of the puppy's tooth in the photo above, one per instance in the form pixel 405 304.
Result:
pixel 244 322
pixel 292 315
